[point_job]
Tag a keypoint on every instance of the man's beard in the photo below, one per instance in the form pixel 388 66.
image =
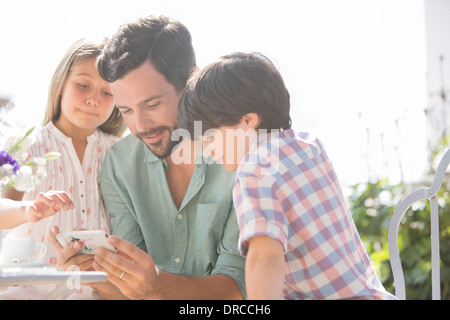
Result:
pixel 158 149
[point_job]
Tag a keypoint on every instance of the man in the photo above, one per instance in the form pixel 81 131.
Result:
pixel 174 224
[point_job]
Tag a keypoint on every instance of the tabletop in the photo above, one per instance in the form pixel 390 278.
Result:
pixel 15 276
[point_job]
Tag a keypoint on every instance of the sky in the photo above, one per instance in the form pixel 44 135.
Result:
pixel 355 69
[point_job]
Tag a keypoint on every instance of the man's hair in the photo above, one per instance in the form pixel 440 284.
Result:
pixel 164 42
pixel 237 84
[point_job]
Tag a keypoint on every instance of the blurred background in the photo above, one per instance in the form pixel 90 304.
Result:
pixel 370 78
pixel 361 73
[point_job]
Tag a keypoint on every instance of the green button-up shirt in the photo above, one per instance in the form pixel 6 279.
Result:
pixel 200 238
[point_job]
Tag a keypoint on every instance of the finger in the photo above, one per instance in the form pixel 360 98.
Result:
pixel 46 205
pixel 67 253
pixel 114 263
pixel 59 202
pixel 119 278
pixel 67 201
pixel 105 266
pixel 52 238
pixel 83 261
pixel 122 272
pixel 33 212
pixel 127 249
pixel 45 199
pixel 118 262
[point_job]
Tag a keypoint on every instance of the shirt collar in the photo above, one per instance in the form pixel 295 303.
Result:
pixel 265 141
pixel 199 161
pixel 149 156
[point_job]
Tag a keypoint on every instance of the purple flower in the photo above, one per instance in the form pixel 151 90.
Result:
pixel 5 158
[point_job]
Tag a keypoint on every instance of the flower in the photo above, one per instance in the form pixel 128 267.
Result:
pixel 7 162
pixel 20 171
pixel 24 180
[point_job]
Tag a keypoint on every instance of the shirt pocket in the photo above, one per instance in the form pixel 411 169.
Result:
pixel 211 221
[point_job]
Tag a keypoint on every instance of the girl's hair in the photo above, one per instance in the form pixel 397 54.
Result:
pixel 163 41
pixel 79 51
pixel 237 84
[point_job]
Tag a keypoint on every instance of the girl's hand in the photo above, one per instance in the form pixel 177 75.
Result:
pixel 47 204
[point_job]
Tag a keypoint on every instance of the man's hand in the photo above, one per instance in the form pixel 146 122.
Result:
pixel 68 257
pixel 130 269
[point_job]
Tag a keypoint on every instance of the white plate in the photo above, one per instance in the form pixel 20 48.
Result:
pixel 23 265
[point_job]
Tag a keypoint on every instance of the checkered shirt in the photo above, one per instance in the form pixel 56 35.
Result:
pixel 286 188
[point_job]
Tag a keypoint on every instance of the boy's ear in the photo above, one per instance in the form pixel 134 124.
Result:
pixel 251 120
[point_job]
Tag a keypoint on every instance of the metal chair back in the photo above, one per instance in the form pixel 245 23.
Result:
pixel 394 255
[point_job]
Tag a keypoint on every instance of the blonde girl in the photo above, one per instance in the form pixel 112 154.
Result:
pixel 81 123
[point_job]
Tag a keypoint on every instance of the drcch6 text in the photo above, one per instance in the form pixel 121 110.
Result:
pixel 231 309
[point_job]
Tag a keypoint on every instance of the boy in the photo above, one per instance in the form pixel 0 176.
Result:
pixel 295 228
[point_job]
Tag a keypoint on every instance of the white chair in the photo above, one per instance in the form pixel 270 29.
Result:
pixel 394 256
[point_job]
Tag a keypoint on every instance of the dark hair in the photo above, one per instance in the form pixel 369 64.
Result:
pixel 237 84
pixel 166 43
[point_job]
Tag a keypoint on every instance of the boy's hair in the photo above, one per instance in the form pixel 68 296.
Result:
pixel 166 43
pixel 237 84
pixel 78 52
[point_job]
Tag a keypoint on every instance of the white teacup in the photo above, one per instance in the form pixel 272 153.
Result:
pixel 21 250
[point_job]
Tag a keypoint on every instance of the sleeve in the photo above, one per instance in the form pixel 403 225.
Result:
pixel 230 262
pixel 259 211
pixel 123 222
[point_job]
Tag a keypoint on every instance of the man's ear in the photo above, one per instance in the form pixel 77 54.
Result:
pixel 250 120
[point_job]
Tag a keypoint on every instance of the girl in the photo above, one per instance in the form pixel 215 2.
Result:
pixel 81 123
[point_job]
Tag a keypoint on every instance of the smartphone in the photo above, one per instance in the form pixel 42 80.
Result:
pixel 90 239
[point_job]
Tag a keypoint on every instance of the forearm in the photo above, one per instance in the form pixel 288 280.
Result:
pixel 264 269
pixel 12 213
pixel 107 290
pixel 180 287
pixel 133 271
pixel 264 280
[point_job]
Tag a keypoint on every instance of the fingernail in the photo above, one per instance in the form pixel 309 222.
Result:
pixel 76 246
pixel 66 207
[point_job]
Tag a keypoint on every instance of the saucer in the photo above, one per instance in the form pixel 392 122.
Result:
pixel 23 265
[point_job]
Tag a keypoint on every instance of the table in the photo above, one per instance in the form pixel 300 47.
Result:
pixel 31 276
pixel 17 276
